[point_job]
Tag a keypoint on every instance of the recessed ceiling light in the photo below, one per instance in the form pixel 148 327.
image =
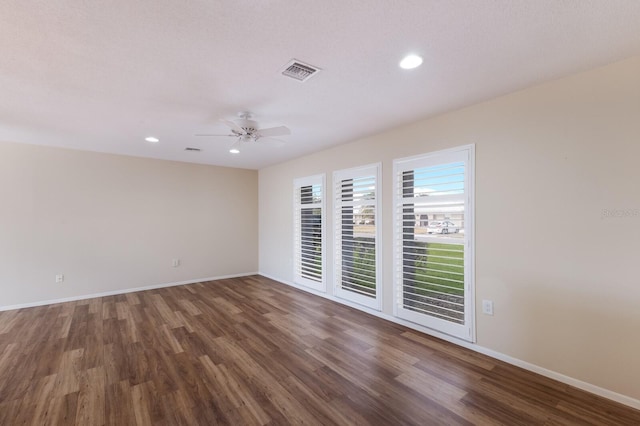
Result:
pixel 234 151
pixel 410 62
pixel 152 139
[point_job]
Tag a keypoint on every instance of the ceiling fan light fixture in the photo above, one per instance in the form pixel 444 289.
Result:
pixel 410 62
pixel 235 148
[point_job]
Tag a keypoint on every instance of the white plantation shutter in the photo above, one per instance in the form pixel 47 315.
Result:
pixel 309 232
pixel 357 235
pixel 433 231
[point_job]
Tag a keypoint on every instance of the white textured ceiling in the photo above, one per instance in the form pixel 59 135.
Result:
pixel 101 76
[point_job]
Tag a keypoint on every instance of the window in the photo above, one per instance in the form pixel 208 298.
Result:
pixel 309 232
pixel 433 233
pixel 357 235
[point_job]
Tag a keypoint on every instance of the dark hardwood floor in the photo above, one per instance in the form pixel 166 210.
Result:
pixel 252 351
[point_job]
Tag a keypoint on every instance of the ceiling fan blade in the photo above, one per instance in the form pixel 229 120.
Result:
pixel 207 134
pixel 234 126
pixel 274 131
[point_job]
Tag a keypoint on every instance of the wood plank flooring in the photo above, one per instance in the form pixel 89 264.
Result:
pixel 250 351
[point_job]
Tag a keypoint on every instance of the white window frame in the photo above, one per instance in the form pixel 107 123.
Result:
pixel 373 302
pixel 298 278
pixel 465 153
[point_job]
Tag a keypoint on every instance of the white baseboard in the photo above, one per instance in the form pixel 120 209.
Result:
pixel 123 291
pixel 588 387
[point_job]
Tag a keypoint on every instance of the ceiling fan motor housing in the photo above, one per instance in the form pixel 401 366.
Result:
pixel 248 126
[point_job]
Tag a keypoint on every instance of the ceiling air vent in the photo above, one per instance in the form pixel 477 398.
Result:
pixel 299 70
pixel 192 149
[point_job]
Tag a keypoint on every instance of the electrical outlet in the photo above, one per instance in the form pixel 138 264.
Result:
pixel 176 263
pixel 59 278
pixel 487 307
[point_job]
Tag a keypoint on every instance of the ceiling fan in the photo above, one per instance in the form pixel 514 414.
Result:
pixel 246 130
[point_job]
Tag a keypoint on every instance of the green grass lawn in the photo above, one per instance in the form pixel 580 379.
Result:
pixel 434 271
pixel 439 267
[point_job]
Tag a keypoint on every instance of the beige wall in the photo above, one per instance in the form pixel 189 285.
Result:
pixel 549 160
pixel 110 223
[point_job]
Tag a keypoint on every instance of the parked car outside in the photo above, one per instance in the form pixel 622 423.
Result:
pixel 442 227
